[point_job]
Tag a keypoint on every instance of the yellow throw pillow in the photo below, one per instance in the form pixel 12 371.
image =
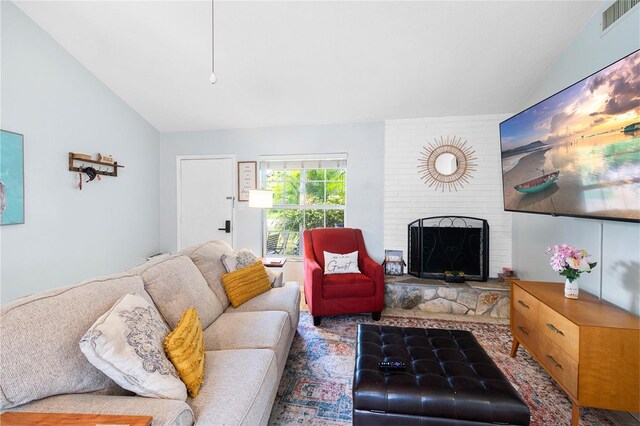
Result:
pixel 246 283
pixel 185 348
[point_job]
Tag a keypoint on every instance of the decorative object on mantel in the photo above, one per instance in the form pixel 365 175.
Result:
pixel 507 275
pixel 447 163
pixel 454 276
pixel 11 178
pixel 570 262
pixel 393 263
pixel 77 164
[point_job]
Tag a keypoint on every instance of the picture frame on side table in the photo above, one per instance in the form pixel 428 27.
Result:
pixel 11 178
pixel 247 178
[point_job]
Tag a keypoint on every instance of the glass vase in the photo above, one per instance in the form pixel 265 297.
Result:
pixel 571 289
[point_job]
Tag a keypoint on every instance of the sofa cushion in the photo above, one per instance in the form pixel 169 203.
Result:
pixel 175 285
pixel 251 330
pixel 347 285
pixel 127 344
pixel 239 388
pixel 207 257
pixel 279 280
pixel 39 337
pixel 165 412
pixel 285 298
pixel 185 348
pixel 242 258
pixel 246 283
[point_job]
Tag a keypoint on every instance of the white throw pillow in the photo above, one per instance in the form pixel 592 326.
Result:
pixel 233 261
pixel 127 344
pixel 341 263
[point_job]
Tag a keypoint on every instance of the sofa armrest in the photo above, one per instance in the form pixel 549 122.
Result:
pixel 164 411
pixel 278 282
pixel 313 275
pixel 313 278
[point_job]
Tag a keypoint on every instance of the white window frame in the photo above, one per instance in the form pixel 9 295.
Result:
pixel 263 162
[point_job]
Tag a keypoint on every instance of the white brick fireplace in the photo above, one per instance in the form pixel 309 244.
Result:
pixel 407 197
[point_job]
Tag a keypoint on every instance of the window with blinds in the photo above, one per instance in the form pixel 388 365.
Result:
pixel 308 192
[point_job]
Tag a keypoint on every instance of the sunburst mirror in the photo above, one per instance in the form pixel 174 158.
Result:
pixel 446 163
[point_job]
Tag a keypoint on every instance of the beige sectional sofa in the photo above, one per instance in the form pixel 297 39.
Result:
pixel 43 370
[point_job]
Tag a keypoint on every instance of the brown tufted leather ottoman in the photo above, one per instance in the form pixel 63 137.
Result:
pixel 449 380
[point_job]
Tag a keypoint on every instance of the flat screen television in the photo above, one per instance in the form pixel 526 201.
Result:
pixel 577 153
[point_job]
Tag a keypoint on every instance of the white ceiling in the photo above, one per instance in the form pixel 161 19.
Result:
pixel 284 63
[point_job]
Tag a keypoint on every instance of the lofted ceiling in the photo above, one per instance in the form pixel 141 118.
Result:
pixel 308 62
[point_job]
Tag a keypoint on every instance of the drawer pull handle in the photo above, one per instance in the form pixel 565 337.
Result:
pixel 524 330
pixel 555 330
pixel 554 362
pixel 523 304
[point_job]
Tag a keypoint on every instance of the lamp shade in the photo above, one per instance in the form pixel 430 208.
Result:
pixel 260 199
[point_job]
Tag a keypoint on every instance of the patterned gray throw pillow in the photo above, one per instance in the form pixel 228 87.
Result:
pixel 233 261
pixel 127 344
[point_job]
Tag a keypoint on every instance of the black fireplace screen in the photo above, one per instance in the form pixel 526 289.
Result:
pixel 449 243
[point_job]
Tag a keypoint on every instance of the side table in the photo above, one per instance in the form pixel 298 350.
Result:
pixel 274 262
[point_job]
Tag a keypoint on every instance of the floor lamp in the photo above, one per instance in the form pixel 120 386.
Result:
pixel 261 199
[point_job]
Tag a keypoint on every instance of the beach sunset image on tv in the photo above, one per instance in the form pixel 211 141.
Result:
pixel 577 153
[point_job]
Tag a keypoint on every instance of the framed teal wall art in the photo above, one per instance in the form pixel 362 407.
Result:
pixel 11 178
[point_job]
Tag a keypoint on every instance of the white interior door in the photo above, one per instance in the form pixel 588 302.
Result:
pixel 206 188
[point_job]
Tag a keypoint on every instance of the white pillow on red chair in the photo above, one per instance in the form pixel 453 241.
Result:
pixel 335 263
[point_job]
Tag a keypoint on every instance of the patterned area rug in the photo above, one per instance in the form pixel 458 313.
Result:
pixel 316 384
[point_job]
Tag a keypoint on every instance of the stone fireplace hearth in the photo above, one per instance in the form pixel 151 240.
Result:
pixel 488 299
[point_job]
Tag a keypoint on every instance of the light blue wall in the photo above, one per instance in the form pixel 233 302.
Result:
pixel 363 142
pixel 59 106
pixel 615 245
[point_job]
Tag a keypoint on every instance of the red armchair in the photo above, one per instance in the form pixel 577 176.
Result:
pixel 340 293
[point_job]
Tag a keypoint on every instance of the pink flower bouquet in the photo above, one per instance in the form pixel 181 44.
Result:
pixel 570 261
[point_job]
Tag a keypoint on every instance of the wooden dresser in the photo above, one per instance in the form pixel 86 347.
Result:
pixel 590 347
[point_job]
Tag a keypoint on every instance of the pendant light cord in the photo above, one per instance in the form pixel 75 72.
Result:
pixel 212 77
pixel 212 38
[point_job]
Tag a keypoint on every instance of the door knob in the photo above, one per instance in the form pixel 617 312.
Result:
pixel 227 227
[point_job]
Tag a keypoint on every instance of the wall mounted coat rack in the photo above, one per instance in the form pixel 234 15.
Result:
pixel 77 163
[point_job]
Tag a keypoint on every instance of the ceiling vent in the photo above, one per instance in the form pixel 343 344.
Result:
pixel 616 11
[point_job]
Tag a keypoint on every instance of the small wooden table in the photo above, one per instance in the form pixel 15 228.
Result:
pixel 54 419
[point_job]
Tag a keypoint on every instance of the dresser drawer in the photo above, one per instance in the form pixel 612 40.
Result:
pixel 562 367
pixel 526 304
pixel 525 331
pixel 559 330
